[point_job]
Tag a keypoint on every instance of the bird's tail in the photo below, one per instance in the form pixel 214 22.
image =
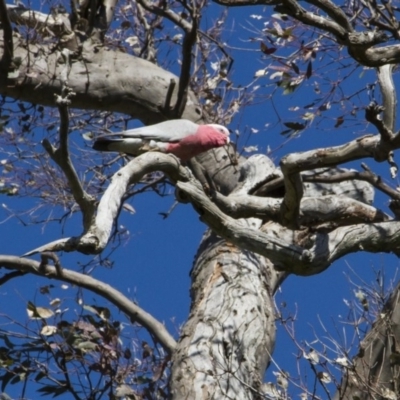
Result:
pixel 101 145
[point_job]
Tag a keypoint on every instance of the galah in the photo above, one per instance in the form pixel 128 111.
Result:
pixel 180 137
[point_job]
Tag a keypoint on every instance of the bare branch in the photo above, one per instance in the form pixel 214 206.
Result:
pixel 293 8
pixel 62 158
pixel 46 24
pixel 187 46
pixel 334 11
pixel 135 313
pixel 313 211
pixel 290 207
pixel 389 96
pixel 8 53
pixel 321 248
pixel 372 115
pixel 97 236
pixel 167 13
pixel 40 80
pixel 367 176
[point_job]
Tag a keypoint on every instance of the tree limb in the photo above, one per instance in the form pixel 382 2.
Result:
pixel 135 313
pixel 96 238
pixel 334 11
pixel 8 52
pixel 313 211
pixel 321 250
pixel 62 158
pixel 167 13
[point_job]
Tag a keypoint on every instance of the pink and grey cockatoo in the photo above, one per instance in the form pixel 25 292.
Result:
pixel 180 137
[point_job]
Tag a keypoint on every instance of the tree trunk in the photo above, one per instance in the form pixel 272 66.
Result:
pixel 226 344
pixel 374 373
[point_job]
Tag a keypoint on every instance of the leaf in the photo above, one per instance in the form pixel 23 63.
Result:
pixel 295 67
pixel 48 330
pixel 87 136
pixel 5 379
pixel 38 312
pixel 13 74
pixel 309 70
pixel 297 126
pixel 339 121
pixel 260 72
pixel 267 50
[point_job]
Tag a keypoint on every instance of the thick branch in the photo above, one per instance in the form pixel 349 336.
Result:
pixel 135 313
pixel 97 236
pixel 389 96
pixel 334 11
pixel 46 24
pixel 313 211
pixel 321 250
pixel 293 8
pixel 8 52
pixel 102 79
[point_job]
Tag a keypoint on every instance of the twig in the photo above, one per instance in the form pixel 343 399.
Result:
pixel 135 313
pixel 167 13
pixel 62 158
pixel 7 277
pixel 367 176
pixel 372 115
pixel 184 79
pixel 46 256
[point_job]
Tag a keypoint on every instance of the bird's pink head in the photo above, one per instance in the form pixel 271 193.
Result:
pixel 221 130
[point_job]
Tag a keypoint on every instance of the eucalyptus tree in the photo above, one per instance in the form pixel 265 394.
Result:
pixel 70 73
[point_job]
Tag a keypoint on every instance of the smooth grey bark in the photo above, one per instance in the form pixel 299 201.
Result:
pixel 134 86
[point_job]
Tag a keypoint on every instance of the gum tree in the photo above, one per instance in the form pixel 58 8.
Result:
pixel 95 66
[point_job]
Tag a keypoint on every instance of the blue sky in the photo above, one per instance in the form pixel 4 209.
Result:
pixel 153 266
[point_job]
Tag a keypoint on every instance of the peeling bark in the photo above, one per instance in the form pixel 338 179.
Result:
pixel 225 346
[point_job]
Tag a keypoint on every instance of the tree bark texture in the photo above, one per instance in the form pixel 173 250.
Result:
pixel 225 346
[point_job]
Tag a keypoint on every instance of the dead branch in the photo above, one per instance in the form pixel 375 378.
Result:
pixel 322 248
pixel 189 41
pixel 8 53
pixel 62 158
pixel 313 211
pixel 135 313
pixel 96 237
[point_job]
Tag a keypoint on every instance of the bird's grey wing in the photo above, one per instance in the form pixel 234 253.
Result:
pixel 168 131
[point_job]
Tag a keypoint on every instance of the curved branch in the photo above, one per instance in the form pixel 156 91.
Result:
pixel 313 210
pixel 167 13
pixel 317 250
pixel 102 79
pixel 46 24
pixel 135 313
pixel 293 8
pixel 334 11
pixel 389 96
pixel 97 236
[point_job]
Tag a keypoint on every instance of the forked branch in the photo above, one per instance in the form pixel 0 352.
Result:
pixel 61 157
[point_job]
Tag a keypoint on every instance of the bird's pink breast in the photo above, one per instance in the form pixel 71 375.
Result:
pixel 204 139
